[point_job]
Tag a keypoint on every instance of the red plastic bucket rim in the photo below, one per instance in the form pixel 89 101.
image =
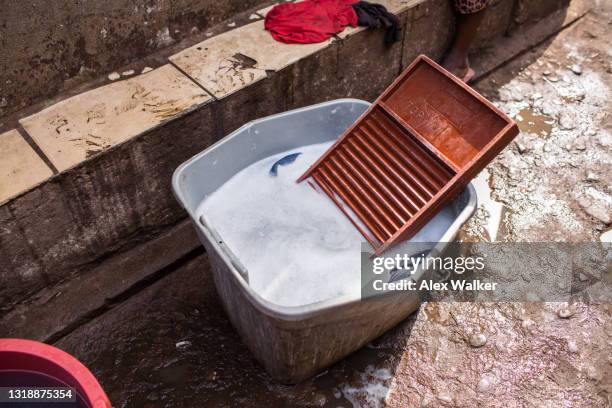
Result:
pixel 48 356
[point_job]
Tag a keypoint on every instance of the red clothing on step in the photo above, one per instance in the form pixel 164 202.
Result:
pixel 310 21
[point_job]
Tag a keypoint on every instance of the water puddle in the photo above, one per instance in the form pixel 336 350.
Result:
pixel 530 122
pixel 371 389
pixel 494 209
pixel 362 380
pixel 432 311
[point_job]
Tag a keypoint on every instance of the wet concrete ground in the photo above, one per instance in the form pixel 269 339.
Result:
pixel 171 345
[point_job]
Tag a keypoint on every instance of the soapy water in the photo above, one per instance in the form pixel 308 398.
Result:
pixel 298 248
pixel 371 390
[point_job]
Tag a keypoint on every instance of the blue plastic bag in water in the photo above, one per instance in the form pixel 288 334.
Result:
pixel 288 159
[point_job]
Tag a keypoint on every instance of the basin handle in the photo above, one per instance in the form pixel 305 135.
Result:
pixel 242 270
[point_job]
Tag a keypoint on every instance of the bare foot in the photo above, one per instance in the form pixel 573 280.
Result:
pixel 469 74
pixel 459 65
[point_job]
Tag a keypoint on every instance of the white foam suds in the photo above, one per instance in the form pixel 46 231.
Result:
pixel 372 389
pixel 297 246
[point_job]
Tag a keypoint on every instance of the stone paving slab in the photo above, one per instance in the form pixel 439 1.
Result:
pixel 233 60
pixel 103 206
pixel 58 309
pixel 264 11
pixel 20 167
pixel 84 125
pixel 349 31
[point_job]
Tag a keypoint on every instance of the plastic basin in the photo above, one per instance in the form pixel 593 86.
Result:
pixel 293 343
pixel 26 363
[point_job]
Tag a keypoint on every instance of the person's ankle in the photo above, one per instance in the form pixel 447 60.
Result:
pixel 456 60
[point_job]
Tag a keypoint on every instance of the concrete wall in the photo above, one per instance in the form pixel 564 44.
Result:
pixel 46 42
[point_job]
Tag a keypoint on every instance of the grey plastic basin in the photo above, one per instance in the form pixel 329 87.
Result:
pixel 293 343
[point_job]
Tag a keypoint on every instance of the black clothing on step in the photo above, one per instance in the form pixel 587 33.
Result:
pixel 377 16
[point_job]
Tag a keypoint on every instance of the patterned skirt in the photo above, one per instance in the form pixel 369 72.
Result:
pixel 470 6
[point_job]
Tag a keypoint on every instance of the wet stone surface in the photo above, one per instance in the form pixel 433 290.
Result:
pixel 554 181
pixel 172 346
